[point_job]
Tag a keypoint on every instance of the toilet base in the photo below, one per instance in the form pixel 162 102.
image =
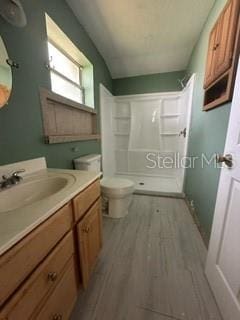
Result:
pixel 118 208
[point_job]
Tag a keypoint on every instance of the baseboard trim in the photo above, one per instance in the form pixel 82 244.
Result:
pixel 204 235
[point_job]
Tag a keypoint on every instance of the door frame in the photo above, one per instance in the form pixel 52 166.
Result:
pixel 218 221
pixel 191 82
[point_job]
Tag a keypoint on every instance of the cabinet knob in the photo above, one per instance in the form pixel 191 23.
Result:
pixel 52 276
pixel 227 159
pixel 57 317
pixel 86 229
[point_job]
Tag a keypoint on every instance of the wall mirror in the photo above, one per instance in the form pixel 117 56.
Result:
pixel 5 76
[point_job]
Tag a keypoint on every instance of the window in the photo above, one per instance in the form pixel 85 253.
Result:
pixel 72 73
pixel 66 74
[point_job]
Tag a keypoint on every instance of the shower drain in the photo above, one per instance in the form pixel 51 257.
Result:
pixel 141 183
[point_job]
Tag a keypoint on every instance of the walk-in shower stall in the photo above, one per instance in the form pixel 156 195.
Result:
pixel 145 137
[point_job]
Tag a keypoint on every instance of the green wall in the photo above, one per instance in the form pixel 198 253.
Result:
pixel 21 124
pixel 159 82
pixel 21 135
pixel 208 132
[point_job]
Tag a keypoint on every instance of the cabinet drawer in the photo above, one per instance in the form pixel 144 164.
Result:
pixel 85 199
pixel 60 303
pixel 22 259
pixel 41 282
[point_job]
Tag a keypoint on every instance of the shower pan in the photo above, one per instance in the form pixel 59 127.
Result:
pixel 145 137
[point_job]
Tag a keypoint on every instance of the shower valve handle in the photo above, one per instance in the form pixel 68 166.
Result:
pixel 183 133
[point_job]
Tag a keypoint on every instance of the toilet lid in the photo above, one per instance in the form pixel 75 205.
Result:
pixel 118 185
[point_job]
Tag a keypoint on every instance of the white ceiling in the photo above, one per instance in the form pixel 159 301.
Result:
pixel 138 37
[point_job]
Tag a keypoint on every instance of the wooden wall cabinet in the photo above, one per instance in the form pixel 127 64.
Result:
pixel 40 276
pixel 211 57
pixel 222 57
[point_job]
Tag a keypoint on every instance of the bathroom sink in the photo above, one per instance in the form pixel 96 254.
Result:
pixel 27 193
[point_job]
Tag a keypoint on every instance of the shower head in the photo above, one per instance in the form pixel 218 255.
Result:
pixel 183 82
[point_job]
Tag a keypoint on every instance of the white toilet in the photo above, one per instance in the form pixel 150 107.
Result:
pixel 117 191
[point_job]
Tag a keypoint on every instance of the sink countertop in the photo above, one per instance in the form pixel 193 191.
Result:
pixel 16 224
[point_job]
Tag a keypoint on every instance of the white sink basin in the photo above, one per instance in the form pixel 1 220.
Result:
pixel 27 193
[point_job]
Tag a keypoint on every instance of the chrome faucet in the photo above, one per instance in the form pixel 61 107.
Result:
pixel 11 180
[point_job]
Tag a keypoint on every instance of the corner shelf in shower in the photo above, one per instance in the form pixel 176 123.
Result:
pixel 151 150
pixel 121 134
pixel 122 117
pixel 145 150
pixel 170 115
pixel 169 134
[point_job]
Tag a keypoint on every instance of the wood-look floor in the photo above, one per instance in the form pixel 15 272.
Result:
pixel 151 267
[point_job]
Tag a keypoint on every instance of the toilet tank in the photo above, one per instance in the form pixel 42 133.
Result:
pixel 91 162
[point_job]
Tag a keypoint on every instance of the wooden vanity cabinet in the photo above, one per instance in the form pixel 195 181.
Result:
pixel 222 56
pixel 17 263
pixel 40 275
pixel 42 283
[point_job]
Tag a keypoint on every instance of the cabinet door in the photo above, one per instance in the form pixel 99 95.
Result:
pixel 228 22
pixel 209 75
pixel 89 232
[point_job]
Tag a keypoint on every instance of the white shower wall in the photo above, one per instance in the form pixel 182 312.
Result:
pixel 143 131
pixel 146 127
pixel 107 105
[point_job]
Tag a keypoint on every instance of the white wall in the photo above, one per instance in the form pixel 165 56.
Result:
pixel 106 117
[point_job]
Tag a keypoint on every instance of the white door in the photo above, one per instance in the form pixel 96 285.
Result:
pixel 223 261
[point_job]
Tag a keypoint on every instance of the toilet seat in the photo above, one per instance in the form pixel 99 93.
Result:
pixel 117 186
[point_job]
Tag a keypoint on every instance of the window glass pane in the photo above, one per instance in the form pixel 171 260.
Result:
pixel 65 88
pixel 62 64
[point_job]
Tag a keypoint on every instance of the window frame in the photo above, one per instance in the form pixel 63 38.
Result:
pixel 61 75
